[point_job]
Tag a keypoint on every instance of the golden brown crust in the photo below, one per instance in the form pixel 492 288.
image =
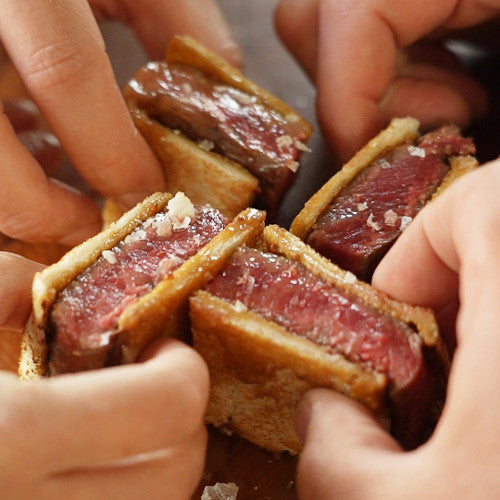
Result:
pixel 279 240
pixel 160 312
pixel 259 371
pixel 205 176
pixel 400 131
pixel 186 50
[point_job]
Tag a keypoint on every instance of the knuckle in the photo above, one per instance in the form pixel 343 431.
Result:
pixel 25 226
pixel 55 65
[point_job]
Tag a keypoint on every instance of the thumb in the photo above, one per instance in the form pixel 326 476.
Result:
pixel 345 450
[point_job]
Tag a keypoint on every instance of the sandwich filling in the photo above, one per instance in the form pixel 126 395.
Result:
pixel 225 120
pixel 285 292
pixel 84 318
pixel 363 221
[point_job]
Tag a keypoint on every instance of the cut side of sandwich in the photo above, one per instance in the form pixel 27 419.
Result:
pixel 107 298
pixel 280 319
pixel 360 212
pixel 220 137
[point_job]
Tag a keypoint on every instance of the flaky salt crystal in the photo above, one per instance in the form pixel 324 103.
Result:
pixel 405 220
pixel 371 223
pixel 110 256
pixel 390 217
pixel 416 151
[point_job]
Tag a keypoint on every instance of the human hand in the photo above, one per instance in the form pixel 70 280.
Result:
pixel 132 431
pixel 59 53
pixel 451 249
pixel 373 60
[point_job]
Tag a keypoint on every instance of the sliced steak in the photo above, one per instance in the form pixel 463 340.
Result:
pixel 364 220
pixel 286 293
pixel 225 120
pixel 84 317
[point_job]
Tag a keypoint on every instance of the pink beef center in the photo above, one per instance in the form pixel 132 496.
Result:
pixel 90 305
pixel 288 294
pixel 237 125
pixel 367 216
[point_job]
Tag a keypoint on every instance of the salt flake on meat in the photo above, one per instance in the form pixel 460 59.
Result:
pixel 370 223
pixel 163 226
pixel 405 220
pixel 186 88
pixel 109 256
pixel 390 217
pixel 301 146
pixel 137 235
pixel 284 141
pixel 239 306
pixel 416 151
pixel 180 211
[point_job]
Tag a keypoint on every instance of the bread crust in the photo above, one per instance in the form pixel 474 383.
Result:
pixel 205 176
pixel 259 371
pixel 162 311
pixel 400 131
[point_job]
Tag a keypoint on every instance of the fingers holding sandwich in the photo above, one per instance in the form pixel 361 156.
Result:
pixel 139 428
pixel 453 245
pixel 358 448
pixel 16 275
pixel 64 65
pixel 34 207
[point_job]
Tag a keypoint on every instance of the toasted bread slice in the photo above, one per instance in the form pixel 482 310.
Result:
pixel 400 131
pixel 162 311
pixel 204 175
pixel 259 371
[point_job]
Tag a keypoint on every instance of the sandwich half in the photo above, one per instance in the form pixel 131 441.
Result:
pixel 360 212
pixel 221 138
pixel 107 298
pixel 281 319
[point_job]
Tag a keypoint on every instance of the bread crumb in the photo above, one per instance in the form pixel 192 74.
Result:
pixel 220 491
pixel 350 277
pixel 362 206
pixel 206 145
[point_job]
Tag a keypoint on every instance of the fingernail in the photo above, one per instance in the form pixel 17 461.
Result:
pixel 232 53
